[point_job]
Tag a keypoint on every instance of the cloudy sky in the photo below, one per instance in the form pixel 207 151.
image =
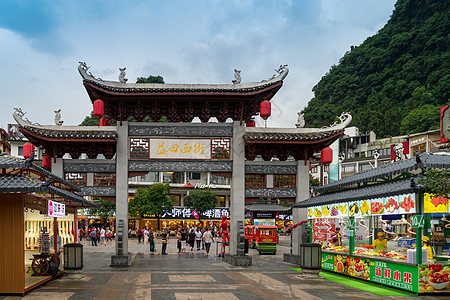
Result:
pixel 195 41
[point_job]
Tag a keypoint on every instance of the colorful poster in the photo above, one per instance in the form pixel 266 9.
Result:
pixel 326 211
pixel 434 278
pixel 407 204
pixel 377 206
pixel 328 261
pixel 323 229
pixel 435 204
pixel 391 205
pixel 400 276
pixel 342 209
pixel 310 212
pixel 56 209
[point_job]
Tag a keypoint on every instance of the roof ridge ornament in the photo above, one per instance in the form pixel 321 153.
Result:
pixel 18 116
pixel 58 120
pixel 122 75
pixel 83 70
pixel 237 76
pixel 344 119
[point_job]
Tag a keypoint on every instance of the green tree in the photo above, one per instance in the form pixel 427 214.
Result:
pixel 152 200
pixel 90 120
pixel 436 182
pixel 421 119
pixel 313 180
pixel 150 79
pixel 201 201
pixel 104 211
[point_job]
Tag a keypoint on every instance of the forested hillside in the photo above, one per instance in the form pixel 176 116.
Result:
pixel 396 81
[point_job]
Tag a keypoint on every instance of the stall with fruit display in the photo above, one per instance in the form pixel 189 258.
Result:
pixel 363 205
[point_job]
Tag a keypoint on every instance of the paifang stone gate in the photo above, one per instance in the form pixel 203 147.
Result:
pixel 229 149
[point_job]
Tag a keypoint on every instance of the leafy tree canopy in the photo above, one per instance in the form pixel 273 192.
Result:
pixel 393 77
pixel 436 182
pixel 152 200
pixel 150 79
pixel 90 120
pixel 104 211
pixel 201 200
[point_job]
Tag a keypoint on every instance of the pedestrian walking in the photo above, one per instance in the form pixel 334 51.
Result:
pixel 93 235
pixel 179 240
pixel 208 239
pixel 151 240
pixel 183 240
pixel 103 236
pixel 164 241
pixel 191 239
pixel 198 238
pixel 139 234
pixel 108 235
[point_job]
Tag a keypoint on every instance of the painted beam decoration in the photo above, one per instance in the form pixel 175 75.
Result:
pixel 393 205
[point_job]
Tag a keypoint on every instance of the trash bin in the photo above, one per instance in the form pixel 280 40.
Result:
pixel 245 246
pixel 310 256
pixel 73 256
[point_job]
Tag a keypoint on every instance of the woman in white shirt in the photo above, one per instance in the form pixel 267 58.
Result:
pixel 208 239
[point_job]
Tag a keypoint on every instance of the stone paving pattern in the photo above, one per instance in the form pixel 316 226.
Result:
pixel 192 276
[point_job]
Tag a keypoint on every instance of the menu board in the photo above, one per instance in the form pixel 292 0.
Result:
pixel 435 204
pixel 322 230
pixel 407 203
pixel 377 206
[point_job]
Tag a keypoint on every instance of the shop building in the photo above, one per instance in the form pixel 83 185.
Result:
pixel 30 235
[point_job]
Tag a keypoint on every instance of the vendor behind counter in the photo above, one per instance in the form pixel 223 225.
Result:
pixel 380 244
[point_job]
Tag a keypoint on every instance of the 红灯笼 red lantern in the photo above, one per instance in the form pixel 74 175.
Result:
pixel 326 156
pixel 265 109
pixel 104 122
pixel 28 150
pixel 251 124
pixel 99 108
pixel 46 161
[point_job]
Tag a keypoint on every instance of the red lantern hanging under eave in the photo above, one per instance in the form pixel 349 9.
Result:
pixel 251 124
pixel 326 156
pixel 104 122
pixel 265 109
pixel 28 150
pixel 47 161
pixel 99 108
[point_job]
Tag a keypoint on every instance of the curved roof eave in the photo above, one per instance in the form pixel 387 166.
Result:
pixel 282 72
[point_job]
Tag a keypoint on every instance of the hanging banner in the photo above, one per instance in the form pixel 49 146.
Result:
pixel 56 209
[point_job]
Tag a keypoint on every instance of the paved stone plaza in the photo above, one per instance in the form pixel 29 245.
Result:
pixel 193 275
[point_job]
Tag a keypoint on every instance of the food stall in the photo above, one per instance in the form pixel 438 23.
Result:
pixel 34 206
pixel 364 212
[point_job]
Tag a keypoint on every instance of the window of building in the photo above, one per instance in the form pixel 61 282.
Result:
pixel 195 176
pixel 221 201
pixel 325 180
pixel 348 168
pixel 314 169
pixel 20 149
pixel 220 180
pixel 173 177
pixel 365 167
pixel 325 168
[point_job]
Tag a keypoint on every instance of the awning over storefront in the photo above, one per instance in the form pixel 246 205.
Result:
pixel 412 166
pixel 402 186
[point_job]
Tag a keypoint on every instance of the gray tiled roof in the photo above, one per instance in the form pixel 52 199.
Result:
pixel 7 161
pixel 398 187
pixel 78 133
pixel 288 136
pixel 267 207
pixel 26 184
pixel 425 161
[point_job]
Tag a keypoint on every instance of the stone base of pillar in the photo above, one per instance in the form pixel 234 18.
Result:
pixel 238 260
pixel 120 260
pixel 309 274
pixel 290 258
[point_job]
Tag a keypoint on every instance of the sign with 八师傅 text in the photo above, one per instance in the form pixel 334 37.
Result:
pixel 56 209
pixel 180 148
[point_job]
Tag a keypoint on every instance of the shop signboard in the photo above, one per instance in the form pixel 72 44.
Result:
pixel 407 204
pixel 56 209
pixel 327 261
pixel 417 221
pixel 435 204
pixel 263 215
pixel 264 222
pixel 180 148
pixel 188 213
pixel 396 275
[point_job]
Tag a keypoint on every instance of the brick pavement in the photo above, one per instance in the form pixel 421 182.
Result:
pixel 189 276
